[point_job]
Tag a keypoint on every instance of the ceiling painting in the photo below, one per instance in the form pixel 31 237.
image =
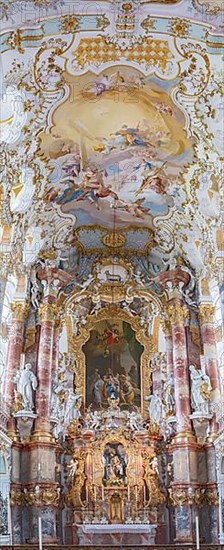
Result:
pixel 110 132
pixel 116 149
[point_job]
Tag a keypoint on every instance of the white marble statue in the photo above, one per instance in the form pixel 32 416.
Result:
pixel 134 421
pixel 168 396
pixel 75 321
pixel 154 465
pixel 138 277
pixel 34 293
pixel 26 383
pixel 72 467
pixel 94 420
pixel 154 407
pixel 200 389
pixel 56 405
pixel 72 409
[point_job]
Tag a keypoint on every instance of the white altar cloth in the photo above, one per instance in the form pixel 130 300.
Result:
pixel 117 528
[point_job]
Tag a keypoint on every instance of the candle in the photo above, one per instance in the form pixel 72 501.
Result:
pixel 40 533
pixel 197 532
pixel 87 495
pixel 102 492
pixel 93 466
pixel 220 518
pixel 95 492
pixel 128 493
pixel 144 494
pixel 136 493
pixel 22 360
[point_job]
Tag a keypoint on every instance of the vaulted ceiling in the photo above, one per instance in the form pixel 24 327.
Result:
pixel 111 134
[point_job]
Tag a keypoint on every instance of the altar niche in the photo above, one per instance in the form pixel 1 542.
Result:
pixel 115 465
pixel 113 366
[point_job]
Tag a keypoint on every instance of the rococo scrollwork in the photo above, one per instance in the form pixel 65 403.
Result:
pixel 111 275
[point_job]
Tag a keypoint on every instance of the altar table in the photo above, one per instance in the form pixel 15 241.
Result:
pixel 115 534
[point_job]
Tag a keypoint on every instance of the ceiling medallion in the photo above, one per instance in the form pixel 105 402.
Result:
pixel 114 240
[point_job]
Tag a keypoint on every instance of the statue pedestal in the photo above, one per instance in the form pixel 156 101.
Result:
pixel 114 535
pixel 201 424
pixel 25 421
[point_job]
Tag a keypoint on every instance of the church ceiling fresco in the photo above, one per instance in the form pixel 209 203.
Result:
pixel 110 131
pixel 121 176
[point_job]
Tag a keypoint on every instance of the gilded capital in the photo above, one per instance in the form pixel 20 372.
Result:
pixel 48 312
pixel 179 496
pixel 212 497
pixel 38 496
pixel 19 311
pixel 206 313
pixel 166 325
pixel 178 314
pixel 16 497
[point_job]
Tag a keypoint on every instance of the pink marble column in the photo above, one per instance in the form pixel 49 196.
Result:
pixel 48 313
pixel 178 315
pixel 183 444
pixel 206 313
pixel 15 346
pixel 169 345
pixel 53 281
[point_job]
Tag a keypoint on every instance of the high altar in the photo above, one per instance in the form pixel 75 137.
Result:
pixel 114 480
pixel 111 273
pixel 113 450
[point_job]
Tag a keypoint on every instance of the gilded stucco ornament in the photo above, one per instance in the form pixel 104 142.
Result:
pixel 73 496
pixel 151 478
pixel 179 27
pixel 41 496
pixel 195 63
pixel 16 496
pixel 19 311
pixel 180 496
pixel 206 313
pixel 212 496
pixel 178 314
pixel 209 7
pixel 69 24
pixel 48 312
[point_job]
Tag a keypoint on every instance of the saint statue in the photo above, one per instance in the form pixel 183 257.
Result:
pixel 72 410
pixel 154 407
pixel 168 396
pixel 26 383
pixel 200 389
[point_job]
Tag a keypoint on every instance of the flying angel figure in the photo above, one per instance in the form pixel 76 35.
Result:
pixel 149 179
